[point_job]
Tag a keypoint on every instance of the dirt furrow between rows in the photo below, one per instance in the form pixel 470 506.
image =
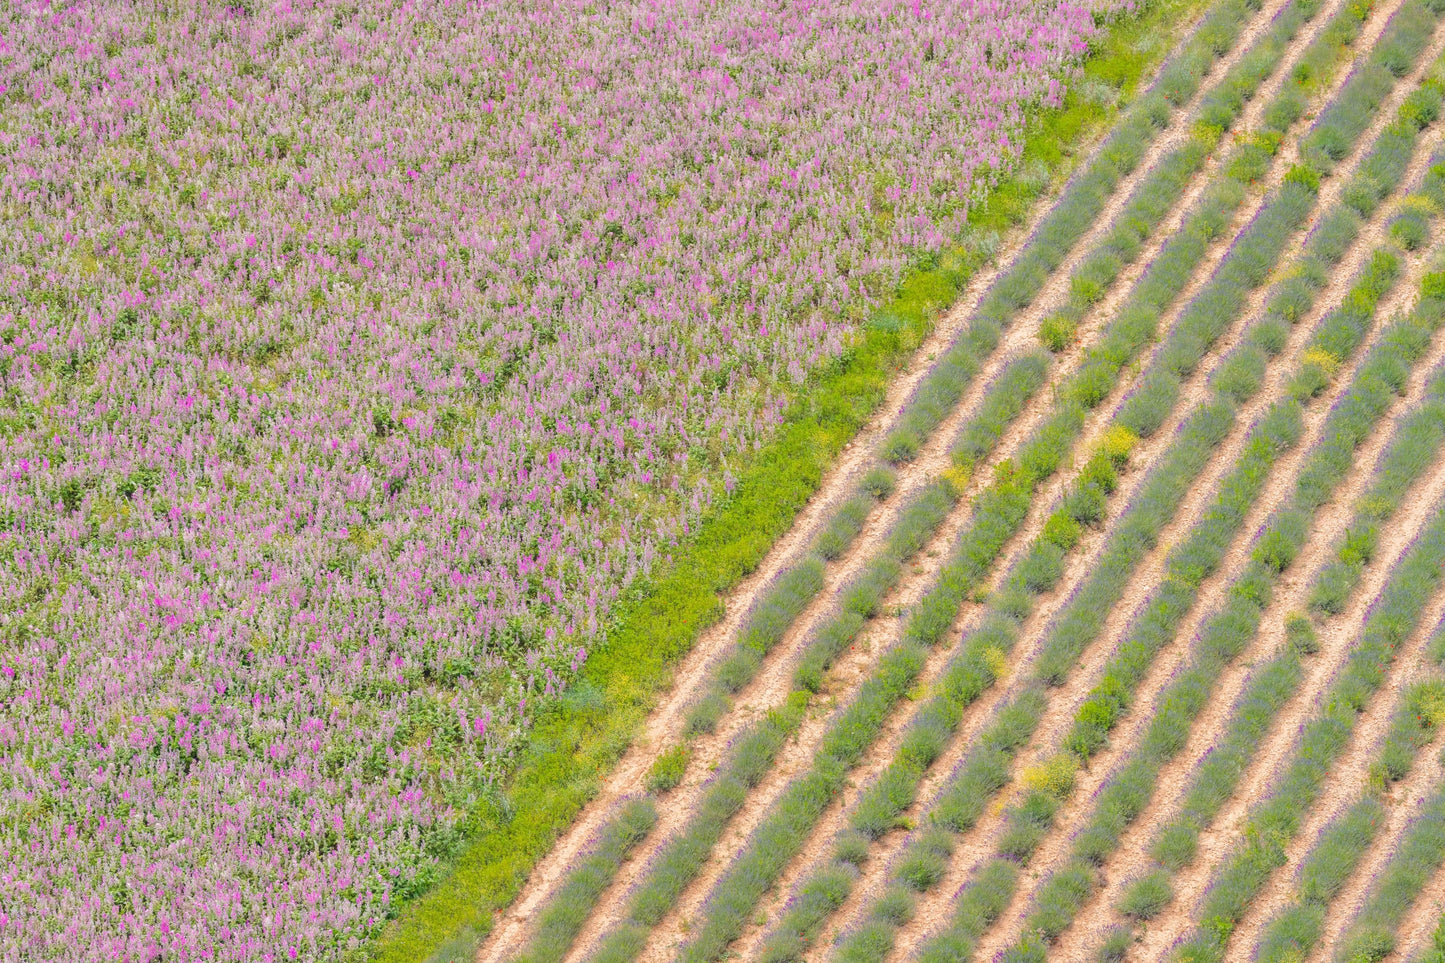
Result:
pixel 1056 850
pixel 1217 841
pixel 862 655
pixel 977 845
pixel 1350 776
pixel 1100 916
pixel 1172 659
pixel 1425 918
pixel 628 776
pixel 1402 803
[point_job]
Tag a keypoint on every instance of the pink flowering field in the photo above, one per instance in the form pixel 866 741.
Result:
pixel 355 356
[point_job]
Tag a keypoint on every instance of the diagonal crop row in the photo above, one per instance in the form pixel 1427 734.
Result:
pixel 1417 442
pixel 1084 617
pixel 562 919
pixel 1126 794
pixel 1374 933
pixel 1342 845
pixel 1010 294
pixel 882 803
pixel 779 837
pixel 805 667
pixel 945 709
pixel 1276 820
pixel 1065 890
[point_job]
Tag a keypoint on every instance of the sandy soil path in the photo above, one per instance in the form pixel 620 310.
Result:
pixel 835 819
pixel 978 845
pixel 1402 802
pixel 1056 850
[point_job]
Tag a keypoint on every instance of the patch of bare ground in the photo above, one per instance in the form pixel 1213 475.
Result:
pixel 628 777
pixel 1402 803
pixel 1099 916
pixel 1335 638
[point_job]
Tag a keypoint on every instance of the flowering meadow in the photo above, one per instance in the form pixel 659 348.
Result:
pixel 355 356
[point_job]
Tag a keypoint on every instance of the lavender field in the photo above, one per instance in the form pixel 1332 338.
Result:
pixel 356 357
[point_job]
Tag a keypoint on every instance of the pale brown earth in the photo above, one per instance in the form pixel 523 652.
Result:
pixel 1056 850
pixel 1402 802
pixel 1291 595
pixel 1420 923
pixel 1190 883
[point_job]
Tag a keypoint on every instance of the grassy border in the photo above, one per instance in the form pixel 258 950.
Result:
pixel 575 742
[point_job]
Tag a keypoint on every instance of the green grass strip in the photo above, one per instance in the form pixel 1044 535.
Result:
pixel 1056 236
pixel 576 741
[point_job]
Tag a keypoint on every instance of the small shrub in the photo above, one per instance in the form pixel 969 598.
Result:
pixel 1146 897
pixel 879 482
pixel 1299 633
pixel 1057 332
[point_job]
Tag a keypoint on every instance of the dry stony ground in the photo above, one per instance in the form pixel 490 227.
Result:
pixel 1349 775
